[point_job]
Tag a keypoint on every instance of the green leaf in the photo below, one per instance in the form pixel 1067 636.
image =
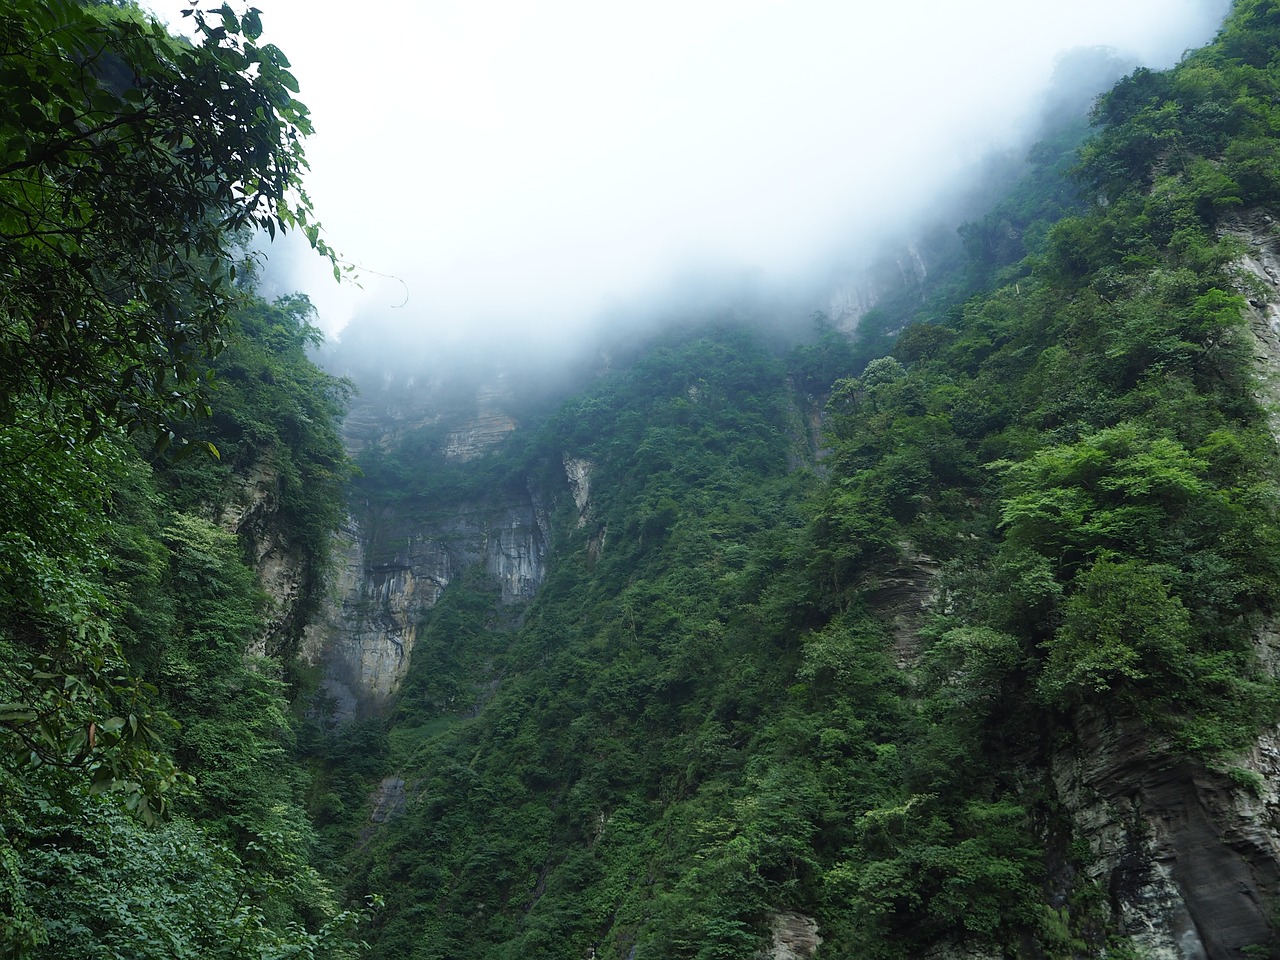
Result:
pixel 252 23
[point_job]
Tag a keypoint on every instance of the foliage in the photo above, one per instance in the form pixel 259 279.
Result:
pixel 150 802
pixel 130 162
pixel 277 421
pixel 127 686
pixel 95 883
pixel 69 699
pixel 728 698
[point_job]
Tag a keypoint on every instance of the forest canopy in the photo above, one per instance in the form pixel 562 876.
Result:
pixel 148 807
pixel 132 166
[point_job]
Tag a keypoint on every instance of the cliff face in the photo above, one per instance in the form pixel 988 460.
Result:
pixel 397 555
pixel 1258 273
pixel 1189 856
pixel 392 569
pixel 904 271
pixel 249 510
pixel 1186 855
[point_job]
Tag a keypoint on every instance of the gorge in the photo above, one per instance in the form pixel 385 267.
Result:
pixel 930 614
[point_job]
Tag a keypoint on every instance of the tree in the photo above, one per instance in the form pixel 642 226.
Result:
pixel 1121 630
pixel 132 166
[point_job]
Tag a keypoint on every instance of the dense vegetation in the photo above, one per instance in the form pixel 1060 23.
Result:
pixel 720 706
pixel 774 666
pixel 149 804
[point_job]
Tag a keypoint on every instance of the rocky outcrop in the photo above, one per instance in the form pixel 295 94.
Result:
pixel 963 951
pixel 249 511
pixel 903 597
pixel 1258 278
pixel 398 554
pixel 1188 856
pixel 394 568
pixel 471 413
pixel 792 936
pixel 900 269
pixel 486 429
pixel 389 800
pixel 578 473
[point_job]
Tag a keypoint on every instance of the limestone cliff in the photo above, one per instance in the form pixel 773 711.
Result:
pixel 249 510
pixel 900 270
pixel 792 936
pixel 398 553
pixel 392 568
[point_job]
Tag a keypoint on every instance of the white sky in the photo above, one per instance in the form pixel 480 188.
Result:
pixel 523 164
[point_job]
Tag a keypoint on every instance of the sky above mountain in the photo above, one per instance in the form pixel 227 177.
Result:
pixel 494 165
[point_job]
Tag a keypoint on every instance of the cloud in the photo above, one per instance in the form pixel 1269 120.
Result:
pixel 525 165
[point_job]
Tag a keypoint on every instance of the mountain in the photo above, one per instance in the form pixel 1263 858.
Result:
pixel 943 625
pixel 950 639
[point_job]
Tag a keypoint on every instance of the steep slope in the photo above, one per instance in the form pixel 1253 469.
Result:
pixel 151 805
pixel 436 498
pixel 203 572
pixel 995 677
pixel 677 519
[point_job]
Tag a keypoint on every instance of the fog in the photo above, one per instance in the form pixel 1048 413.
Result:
pixel 498 168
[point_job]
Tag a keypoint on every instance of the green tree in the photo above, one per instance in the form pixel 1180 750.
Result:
pixel 130 164
pixel 1121 631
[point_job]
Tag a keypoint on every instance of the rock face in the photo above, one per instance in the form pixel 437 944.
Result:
pixel 899 269
pixel 1258 272
pixel 486 429
pixel 473 412
pixel 396 557
pixel 389 800
pixel 578 473
pixel 904 597
pixel 248 510
pixel 1189 856
pixel 792 935
pixel 392 571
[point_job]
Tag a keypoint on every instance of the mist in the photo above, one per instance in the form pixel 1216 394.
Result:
pixel 523 171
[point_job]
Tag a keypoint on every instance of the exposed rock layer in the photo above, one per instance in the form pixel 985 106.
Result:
pixel 792 936
pixel 1188 856
pixel 395 559
pixel 394 569
pixel 249 511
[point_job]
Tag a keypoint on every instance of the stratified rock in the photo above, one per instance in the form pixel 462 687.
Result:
pixel 387 579
pixel 249 510
pixel 904 597
pixel 1187 855
pixel 389 800
pixel 395 559
pixel 792 936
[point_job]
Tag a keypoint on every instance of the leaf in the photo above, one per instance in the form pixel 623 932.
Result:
pixel 252 23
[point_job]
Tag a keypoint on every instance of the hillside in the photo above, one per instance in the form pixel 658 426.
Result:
pixel 942 627
pixel 982 669
pixel 170 476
